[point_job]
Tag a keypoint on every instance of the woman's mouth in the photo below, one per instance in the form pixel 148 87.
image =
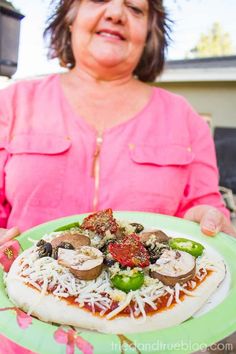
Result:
pixel 111 34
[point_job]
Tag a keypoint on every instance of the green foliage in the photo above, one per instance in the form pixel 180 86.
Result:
pixel 214 43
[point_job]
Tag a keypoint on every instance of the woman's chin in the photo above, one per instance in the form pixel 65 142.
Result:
pixel 106 63
pixel 110 58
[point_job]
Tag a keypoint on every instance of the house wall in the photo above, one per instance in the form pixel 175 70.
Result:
pixel 217 99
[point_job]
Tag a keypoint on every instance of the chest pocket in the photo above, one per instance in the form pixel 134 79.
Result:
pixel 36 168
pixel 38 144
pixel 160 175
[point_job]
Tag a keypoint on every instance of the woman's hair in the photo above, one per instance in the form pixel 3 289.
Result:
pixel 153 57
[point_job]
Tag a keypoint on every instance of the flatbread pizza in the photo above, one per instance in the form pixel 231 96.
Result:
pixel 113 277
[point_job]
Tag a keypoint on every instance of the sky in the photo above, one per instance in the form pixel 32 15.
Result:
pixel 190 19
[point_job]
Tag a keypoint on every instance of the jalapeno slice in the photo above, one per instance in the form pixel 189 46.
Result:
pixel 67 227
pixel 186 245
pixel 127 283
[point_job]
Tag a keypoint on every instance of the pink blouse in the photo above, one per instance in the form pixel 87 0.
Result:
pixel 52 163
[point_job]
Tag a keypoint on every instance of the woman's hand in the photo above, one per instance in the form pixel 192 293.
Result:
pixel 8 234
pixel 211 220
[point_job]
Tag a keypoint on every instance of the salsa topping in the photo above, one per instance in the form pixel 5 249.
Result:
pixel 100 222
pixel 130 252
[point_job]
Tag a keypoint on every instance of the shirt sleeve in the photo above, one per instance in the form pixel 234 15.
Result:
pixel 4 136
pixel 202 187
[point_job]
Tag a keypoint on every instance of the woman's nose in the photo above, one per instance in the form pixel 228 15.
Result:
pixel 115 11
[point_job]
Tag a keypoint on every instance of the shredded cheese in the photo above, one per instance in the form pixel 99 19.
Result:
pixel 47 276
pixel 121 307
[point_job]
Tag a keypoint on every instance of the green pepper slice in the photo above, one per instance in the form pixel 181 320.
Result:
pixel 186 245
pixel 68 227
pixel 127 283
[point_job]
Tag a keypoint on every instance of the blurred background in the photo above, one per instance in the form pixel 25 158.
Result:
pixel 201 28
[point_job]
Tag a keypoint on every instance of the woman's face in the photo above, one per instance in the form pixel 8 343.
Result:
pixel 110 33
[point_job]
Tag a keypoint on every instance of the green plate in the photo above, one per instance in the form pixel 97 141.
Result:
pixel 217 321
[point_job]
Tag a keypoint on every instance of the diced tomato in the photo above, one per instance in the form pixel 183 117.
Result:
pixel 130 252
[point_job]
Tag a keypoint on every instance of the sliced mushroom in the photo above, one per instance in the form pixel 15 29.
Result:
pixel 174 267
pixel 74 238
pixel 154 236
pixel 85 263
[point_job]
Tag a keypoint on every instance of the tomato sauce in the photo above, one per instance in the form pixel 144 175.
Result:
pixel 161 302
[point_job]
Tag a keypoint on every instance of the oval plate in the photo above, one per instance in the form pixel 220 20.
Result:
pixel 216 322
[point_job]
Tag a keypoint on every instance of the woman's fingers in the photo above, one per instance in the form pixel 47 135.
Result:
pixel 211 220
pixel 229 229
pixel 8 234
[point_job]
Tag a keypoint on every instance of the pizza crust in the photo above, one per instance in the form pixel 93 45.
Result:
pixel 49 308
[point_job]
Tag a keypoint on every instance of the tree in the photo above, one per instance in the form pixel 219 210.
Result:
pixel 214 43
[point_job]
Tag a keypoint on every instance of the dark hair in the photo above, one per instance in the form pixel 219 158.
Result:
pixel 152 60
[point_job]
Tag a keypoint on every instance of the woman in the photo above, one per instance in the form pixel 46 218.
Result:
pixel 98 136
